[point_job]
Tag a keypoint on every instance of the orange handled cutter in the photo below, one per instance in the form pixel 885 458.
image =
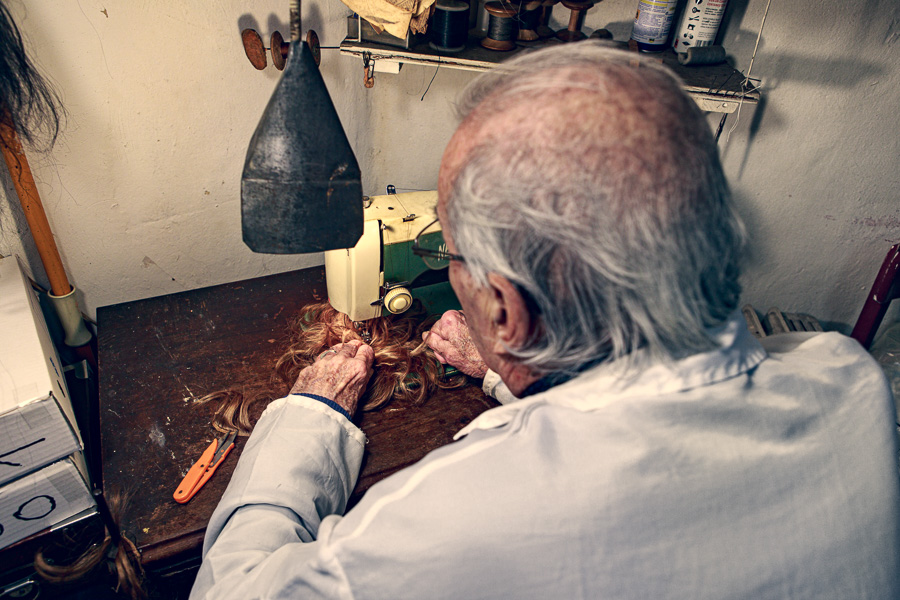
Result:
pixel 204 468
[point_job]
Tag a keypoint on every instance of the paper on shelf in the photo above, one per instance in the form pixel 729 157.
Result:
pixel 394 16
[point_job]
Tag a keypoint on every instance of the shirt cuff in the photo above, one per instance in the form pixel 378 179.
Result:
pixel 494 387
pixel 303 401
pixel 327 402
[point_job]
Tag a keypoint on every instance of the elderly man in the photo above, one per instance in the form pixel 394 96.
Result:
pixel 650 446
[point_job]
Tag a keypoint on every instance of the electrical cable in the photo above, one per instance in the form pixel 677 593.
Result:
pixel 747 79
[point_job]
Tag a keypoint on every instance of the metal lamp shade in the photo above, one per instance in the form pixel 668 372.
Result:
pixel 300 189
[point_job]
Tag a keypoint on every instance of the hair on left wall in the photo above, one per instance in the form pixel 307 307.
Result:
pixel 28 101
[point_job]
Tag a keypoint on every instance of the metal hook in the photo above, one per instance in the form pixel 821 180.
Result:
pixel 368 70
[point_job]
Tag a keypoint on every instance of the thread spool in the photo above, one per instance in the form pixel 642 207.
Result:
pixel 529 20
pixel 279 49
pixel 543 29
pixel 573 32
pixel 256 52
pixel 502 27
pixel 702 55
pixel 449 26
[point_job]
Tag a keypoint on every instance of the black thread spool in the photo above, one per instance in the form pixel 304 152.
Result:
pixel 501 26
pixel 702 55
pixel 449 26
pixel 529 19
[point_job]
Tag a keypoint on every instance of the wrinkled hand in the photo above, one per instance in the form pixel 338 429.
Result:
pixel 452 343
pixel 339 374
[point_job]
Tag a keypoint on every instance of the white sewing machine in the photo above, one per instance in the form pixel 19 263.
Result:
pixel 380 274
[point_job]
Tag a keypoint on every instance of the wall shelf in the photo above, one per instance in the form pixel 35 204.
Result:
pixel 715 88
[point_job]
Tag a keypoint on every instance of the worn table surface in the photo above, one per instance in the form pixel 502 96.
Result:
pixel 158 356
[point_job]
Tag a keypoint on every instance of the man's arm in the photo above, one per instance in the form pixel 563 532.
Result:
pixel 452 343
pixel 299 466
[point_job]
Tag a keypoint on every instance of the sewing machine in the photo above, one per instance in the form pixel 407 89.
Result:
pixel 381 275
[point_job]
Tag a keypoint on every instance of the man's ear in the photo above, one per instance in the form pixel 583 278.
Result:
pixel 510 319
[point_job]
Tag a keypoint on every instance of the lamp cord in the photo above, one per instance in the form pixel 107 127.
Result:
pixel 295 20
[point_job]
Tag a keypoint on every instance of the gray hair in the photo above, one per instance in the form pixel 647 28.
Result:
pixel 603 200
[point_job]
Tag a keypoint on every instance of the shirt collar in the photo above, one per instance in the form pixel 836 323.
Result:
pixel 641 375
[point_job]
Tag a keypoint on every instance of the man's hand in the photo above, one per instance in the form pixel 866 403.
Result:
pixel 339 374
pixel 452 344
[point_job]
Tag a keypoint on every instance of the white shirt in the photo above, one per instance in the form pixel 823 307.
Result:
pixel 755 471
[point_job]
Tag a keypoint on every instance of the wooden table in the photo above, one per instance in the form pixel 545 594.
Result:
pixel 158 356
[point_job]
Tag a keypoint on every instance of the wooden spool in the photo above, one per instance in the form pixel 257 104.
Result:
pixel 496 10
pixel 256 51
pixel 279 49
pixel 573 32
pixel 33 208
pixel 543 30
pixel 253 48
pixel 528 34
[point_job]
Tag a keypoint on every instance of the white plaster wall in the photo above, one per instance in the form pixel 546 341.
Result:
pixel 143 190
pixel 817 166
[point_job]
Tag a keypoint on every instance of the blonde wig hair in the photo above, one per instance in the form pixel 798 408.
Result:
pixel 116 551
pixel 404 367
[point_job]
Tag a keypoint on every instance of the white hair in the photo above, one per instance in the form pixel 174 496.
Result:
pixel 593 183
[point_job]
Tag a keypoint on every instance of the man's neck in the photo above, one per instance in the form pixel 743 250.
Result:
pixel 522 381
pixel 517 377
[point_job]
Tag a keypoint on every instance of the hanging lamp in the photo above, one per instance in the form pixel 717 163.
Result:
pixel 300 188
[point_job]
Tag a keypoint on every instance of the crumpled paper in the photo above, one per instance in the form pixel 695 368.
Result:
pixel 394 16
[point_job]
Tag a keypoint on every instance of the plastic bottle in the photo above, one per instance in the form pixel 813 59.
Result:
pixel 699 24
pixel 652 24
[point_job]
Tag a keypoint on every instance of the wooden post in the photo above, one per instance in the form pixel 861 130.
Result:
pixel 62 294
pixel 23 181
